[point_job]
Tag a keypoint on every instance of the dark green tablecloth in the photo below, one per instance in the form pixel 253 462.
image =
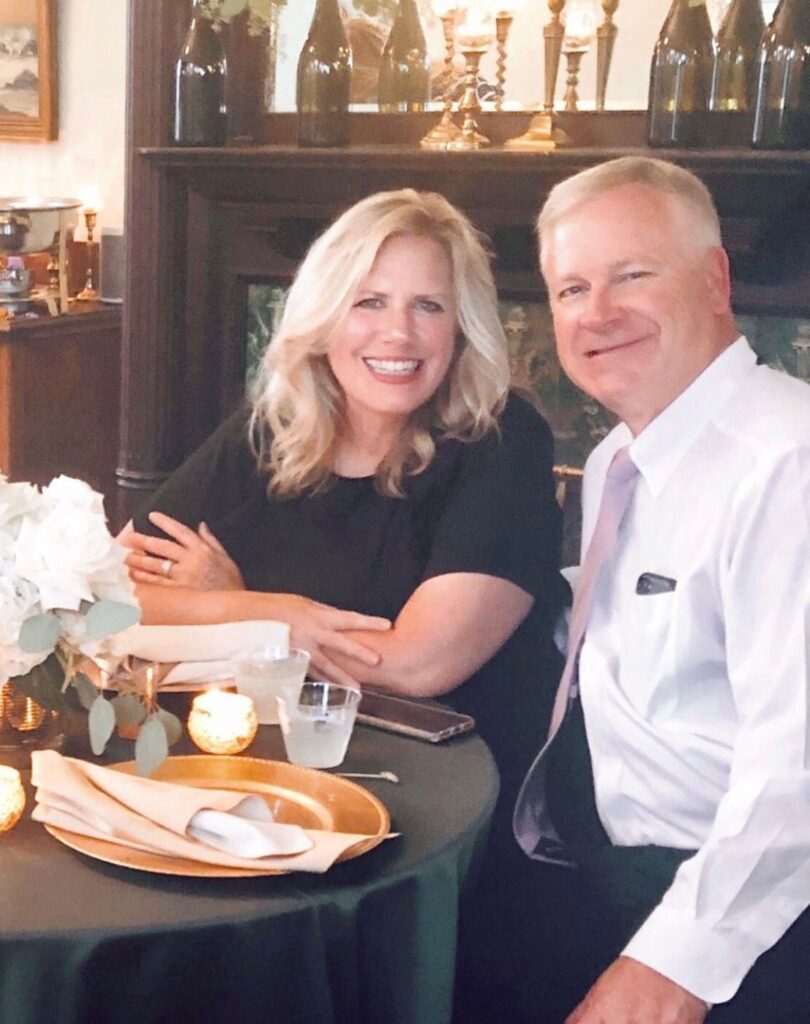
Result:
pixel 372 941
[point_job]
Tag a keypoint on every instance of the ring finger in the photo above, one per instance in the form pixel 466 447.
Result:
pixel 150 564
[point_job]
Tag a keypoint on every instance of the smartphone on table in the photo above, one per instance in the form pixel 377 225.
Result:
pixel 422 720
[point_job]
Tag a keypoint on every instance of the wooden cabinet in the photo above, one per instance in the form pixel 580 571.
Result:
pixel 60 397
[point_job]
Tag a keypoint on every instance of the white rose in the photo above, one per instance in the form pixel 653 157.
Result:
pixel 67 490
pixel 63 553
pixel 14 662
pixel 16 500
pixel 19 600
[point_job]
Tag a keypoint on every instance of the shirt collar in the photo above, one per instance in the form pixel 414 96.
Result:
pixel 662 444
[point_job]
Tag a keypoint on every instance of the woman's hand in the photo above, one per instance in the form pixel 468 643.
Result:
pixel 321 630
pixel 192 558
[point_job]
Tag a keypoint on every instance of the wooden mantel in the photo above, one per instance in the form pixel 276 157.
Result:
pixel 202 223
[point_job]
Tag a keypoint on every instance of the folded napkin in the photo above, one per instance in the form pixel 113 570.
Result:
pixel 214 826
pixel 202 651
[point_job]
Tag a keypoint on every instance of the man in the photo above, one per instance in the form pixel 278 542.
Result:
pixel 692 829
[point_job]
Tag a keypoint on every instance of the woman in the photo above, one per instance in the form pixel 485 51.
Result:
pixel 384 468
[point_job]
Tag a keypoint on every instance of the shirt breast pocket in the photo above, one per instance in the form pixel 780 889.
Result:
pixel 648 648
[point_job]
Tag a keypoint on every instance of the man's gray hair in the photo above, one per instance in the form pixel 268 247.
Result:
pixel 659 175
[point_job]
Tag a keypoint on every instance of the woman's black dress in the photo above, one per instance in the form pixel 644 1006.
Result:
pixel 481 507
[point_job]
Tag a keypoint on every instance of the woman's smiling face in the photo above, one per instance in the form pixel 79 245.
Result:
pixel 395 346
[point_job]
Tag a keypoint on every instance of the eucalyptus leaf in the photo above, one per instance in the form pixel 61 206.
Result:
pixel 129 710
pixel 85 691
pixel 40 633
pixel 151 746
pixel 106 617
pixel 172 725
pixel 100 723
pixel 43 684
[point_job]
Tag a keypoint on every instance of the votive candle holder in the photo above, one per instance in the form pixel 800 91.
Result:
pixel 222 723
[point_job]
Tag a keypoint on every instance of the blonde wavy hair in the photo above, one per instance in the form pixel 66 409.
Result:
pixel 298 405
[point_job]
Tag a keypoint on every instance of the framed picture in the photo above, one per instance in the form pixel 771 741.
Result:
pixel 27 70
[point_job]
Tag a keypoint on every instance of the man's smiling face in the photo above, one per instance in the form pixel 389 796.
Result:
pixel 640 308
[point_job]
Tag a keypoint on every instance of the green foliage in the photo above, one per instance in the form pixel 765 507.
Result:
pixel 44 684
pixel 100 723
pixel 172 725
pixel 85 691
pixel 40 633
pixel 129 710
pixel 106 617
pixel 151 746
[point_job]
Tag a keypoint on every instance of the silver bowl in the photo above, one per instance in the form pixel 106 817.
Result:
pixel 32 224
pixel 14 282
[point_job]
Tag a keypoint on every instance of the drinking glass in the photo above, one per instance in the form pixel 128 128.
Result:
pixel 261 673
pixel 317 719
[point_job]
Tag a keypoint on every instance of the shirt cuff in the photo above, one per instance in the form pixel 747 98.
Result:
pixel 709 965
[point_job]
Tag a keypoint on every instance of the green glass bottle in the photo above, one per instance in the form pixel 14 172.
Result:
pixel 782 119
pixel 682 77
pixel 737 50
pixel 404 83
pixel 200 111
pixel 324 80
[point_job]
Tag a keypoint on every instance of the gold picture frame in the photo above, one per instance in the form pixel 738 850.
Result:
pixel 28 96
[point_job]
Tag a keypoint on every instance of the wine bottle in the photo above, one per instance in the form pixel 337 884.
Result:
pixel 682 77
pixel 404 83
pixel 324 80
pixel 737 50
pixel 782 119
pixel 200 111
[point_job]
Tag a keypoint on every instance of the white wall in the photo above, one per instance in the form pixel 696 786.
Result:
pixel 89 153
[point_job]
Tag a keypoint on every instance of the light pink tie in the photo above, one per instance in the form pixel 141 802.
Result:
pixel 531 823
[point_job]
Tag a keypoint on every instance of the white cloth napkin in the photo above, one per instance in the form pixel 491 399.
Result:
pixel 201 651
pixel 221 827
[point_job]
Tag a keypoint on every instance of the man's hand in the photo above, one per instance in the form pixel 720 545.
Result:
pixel 629 992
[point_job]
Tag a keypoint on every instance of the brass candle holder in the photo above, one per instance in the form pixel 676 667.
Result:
pixel 473 39
pixel 580 26
pixel 541 135
pixel 446 130
pixel 89 293
pixel 605 40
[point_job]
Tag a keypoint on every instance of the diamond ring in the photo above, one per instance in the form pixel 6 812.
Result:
pixel 166 566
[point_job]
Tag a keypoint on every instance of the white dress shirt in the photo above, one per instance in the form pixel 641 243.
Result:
pixel 696 698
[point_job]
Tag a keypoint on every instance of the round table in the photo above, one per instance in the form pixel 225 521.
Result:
pixel 373 940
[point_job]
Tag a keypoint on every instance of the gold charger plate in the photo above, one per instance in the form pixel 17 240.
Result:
pixel 297 796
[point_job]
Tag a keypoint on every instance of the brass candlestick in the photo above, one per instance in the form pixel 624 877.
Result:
pixel 580 26
pixel 470 138
pixel 89 293
pixel 541 135
pixel 447 129
pixel 503 23
pixel 573 58
pixel 605 40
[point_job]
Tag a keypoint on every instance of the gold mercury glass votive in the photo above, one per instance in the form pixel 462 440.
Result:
pixel 12 797
pixel 222 723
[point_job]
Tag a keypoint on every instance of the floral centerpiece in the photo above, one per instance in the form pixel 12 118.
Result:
pixel 64 592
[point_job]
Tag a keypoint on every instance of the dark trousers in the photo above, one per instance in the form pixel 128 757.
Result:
pixel 535 937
